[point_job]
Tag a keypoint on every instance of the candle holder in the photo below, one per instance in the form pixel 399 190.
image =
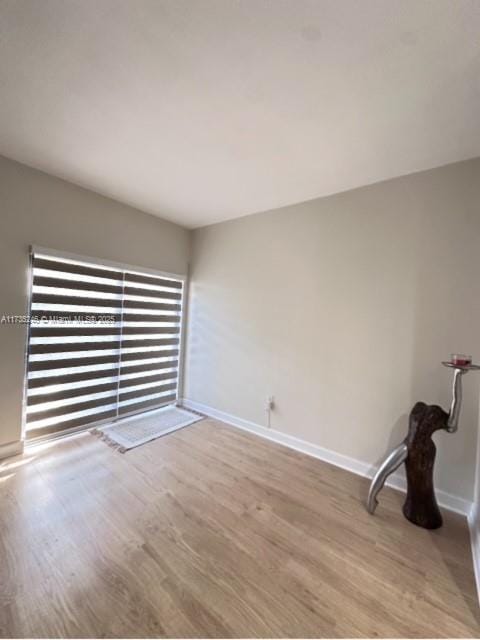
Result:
pixel 418 452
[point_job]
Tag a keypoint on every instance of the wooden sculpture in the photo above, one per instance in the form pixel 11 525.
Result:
pixel 418 451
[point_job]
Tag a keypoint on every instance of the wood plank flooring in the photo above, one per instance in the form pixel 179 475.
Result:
pixel 213 532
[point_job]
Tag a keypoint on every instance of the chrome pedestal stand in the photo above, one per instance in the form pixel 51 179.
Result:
pixel 418 451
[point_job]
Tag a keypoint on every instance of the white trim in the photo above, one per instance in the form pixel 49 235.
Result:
pixel 27 344
pixel 474 526
pixel 11 449
pixel 183 335
pixel 101 262
pixel 446 500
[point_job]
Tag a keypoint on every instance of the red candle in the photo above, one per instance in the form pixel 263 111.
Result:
pixel 461 360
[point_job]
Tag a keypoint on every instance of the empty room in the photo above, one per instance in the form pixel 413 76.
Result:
pixel 239 318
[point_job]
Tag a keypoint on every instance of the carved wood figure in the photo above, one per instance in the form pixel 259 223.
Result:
pixel 421 505
pixel 418 451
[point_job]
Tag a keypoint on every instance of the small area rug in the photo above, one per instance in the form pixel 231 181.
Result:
pixel 134 431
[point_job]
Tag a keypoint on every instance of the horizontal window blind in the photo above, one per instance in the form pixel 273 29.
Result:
pixel 103 342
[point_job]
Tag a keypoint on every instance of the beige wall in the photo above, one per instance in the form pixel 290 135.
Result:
pixel 36 208
pixel 342 308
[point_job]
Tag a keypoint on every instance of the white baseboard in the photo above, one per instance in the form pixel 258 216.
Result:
pixel 11 449
pixel 474 526
pixel 446 500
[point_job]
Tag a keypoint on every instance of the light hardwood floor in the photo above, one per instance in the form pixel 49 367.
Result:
pixel 213 532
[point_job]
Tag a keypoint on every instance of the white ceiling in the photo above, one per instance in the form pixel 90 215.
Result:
pixel 204 110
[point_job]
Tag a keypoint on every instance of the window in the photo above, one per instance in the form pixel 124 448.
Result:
pixel 103 342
